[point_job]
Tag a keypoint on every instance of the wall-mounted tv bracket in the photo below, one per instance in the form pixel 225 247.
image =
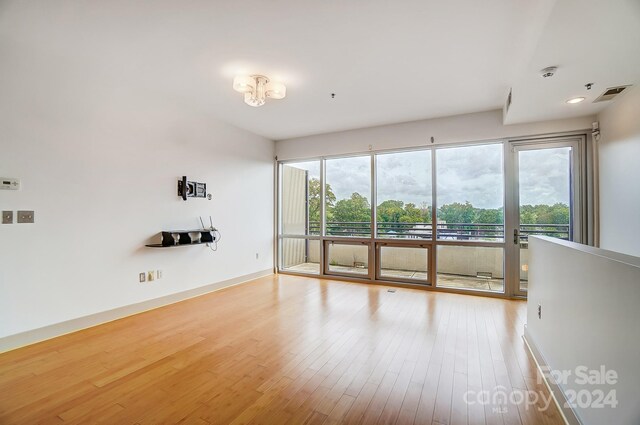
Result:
pixel 189 189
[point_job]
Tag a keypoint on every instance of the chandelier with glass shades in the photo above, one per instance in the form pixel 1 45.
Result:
pixel 257 88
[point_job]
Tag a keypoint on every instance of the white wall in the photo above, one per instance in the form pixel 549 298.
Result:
pixel 589 298
pixel 460 128
pixel 99 154
pixel 619 149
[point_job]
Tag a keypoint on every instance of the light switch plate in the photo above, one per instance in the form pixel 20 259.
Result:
pixel 7 217
pixel 25 216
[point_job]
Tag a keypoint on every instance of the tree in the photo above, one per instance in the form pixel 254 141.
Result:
pixel 356 208
pixel 426 212
pixel 314 200
pixel 528 214
pixel 411 214
pixel 488 216
pixel 390 211
pixel 457 213
pixel 545 214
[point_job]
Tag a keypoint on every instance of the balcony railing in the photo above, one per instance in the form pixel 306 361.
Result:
pixel 560 231
pixel 446 231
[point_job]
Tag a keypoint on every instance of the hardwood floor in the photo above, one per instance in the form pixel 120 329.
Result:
pixel 285 349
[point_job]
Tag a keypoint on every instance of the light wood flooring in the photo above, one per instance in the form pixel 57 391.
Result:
pixel 284 349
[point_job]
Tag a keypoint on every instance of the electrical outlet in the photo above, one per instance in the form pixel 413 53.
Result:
pixel 7 217
pixel 158 274
pixel 25 216
pixel 142 277
pixel 151 276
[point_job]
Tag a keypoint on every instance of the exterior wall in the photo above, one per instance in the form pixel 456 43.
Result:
pixel 293 252
pixel 294 199
pixel 293 214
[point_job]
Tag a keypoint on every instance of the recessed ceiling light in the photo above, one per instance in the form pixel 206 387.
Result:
pixel 575 100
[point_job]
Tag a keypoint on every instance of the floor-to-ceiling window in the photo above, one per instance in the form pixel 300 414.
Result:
pixel 439 216
pixel 404 216
pixel 348 214
pixel 470 217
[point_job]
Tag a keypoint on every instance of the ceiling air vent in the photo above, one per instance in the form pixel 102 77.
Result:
pixel 508 103
pixel 610 93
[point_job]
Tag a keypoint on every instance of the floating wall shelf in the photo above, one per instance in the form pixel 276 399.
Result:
pixel 175 238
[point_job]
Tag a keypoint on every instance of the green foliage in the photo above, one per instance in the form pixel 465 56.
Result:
pixel 467 213
pixel 392 211
pixel 545 214
pixel 314 200
pixel 457 213
pixel 488 216
pixel 356 208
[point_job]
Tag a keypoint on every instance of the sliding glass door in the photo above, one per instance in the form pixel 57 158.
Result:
pixel 451 217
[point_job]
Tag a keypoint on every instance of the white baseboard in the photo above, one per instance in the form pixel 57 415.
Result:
pixel 12 342
pixel 559 398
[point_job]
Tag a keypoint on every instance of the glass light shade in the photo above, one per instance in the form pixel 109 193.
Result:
pixel 244 84
pixel 252 100
pixel 275 90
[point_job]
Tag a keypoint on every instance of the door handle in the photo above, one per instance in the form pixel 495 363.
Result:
pixel 516 236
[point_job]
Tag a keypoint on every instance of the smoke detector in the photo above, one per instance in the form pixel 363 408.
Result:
pixel 548 71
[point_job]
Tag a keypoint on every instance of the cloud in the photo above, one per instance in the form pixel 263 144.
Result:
pixel 545 176
pixel 466 173
pixel 470 173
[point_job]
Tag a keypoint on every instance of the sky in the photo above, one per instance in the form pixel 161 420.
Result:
pixel 545 176
pixel 468 173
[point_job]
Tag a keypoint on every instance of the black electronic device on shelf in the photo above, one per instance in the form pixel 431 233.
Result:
pixel 173 238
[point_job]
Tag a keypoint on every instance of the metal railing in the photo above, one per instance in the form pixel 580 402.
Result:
pixel 446 231
pixel 560 231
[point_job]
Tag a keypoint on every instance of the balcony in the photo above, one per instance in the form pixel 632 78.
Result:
pixel 491 232
pixel 458 265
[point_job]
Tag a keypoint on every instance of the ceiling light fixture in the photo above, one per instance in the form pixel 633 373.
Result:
pixel 257 88
pixel 575 100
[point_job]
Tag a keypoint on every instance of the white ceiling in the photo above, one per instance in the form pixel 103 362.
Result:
pixel 590 41
pixel 387 61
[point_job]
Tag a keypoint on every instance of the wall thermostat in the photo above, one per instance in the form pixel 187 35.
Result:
pixel 8 183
